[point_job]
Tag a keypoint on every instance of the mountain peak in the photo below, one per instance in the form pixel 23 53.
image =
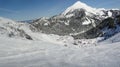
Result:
pixel 78 5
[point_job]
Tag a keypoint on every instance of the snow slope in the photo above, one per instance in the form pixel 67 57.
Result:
pixel 113 39
pixel 26 53
pixel 10 28
pixel 78 5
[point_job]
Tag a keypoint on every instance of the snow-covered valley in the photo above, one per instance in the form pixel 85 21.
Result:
pixel 26 53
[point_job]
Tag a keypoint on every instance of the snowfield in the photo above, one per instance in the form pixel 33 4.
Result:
pixel 22 46
pixel 27 53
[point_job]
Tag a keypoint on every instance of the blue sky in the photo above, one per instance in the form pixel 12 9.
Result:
pixel 31 9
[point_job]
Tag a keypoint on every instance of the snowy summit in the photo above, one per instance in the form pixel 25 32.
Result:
pixel 78 5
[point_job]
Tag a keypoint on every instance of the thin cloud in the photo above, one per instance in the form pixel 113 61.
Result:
pixel 7 10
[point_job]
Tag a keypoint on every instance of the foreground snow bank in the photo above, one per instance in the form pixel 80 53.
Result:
pixel 25 53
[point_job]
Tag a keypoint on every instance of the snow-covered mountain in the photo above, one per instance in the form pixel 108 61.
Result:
pixel 80 21
pixel 80 5
pixel 74 38
pixel 12 28
pixel 17 52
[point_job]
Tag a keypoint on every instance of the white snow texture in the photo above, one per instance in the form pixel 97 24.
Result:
pixel 56 51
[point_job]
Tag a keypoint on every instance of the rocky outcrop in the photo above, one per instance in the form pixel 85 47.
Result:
pixel 81 22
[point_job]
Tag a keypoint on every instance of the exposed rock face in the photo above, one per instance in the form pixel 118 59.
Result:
pixel 117 19
pixel 79 22
pixel 62 25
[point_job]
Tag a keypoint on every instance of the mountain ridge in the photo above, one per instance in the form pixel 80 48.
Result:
pixel 78 5
pixel 78 23
pixel 75 19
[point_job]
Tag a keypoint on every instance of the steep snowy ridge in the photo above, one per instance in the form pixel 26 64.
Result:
pixel 77 18
pixel 80 5
pixel 28 31
pixel 89 11
pixel 11 27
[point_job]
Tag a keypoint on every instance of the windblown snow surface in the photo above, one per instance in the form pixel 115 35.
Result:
pixel 39 53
